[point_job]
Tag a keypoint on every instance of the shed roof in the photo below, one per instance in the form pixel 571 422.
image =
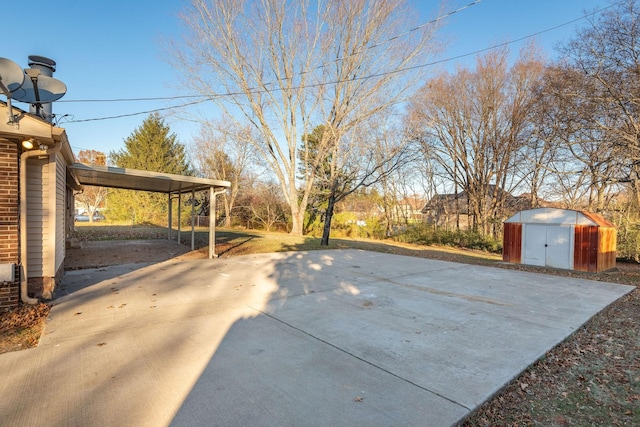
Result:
pixel 134 179
pixel 559 217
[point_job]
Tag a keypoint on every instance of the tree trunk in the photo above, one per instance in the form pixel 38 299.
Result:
pixel 297 221
pixel 227 212
pixel 326 230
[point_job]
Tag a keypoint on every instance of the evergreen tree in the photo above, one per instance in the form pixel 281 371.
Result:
pixel 151 147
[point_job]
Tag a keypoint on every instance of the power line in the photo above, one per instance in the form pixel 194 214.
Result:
pixel 155 110
pixel 158 98
pixel 366 48
pixel 433 21
pixel 396 71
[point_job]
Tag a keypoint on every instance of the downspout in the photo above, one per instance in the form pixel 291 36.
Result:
pixel 24 296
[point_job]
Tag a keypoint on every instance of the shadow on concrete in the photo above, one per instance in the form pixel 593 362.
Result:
pixel 341 337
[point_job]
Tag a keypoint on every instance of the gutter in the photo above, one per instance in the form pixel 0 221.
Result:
pixel 24 296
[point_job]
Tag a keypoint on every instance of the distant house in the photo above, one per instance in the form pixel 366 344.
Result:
pixel 444 210
pixel 408 210
pixel 361 208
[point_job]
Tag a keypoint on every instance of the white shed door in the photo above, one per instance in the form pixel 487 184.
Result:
pixel 535 240
pixel 559 253
pixel 547 245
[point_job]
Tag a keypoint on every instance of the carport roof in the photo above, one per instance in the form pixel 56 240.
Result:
pixel 134 179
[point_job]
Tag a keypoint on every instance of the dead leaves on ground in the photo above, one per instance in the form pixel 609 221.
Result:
pixel 23 316
pixel 20 327
pixel 589 379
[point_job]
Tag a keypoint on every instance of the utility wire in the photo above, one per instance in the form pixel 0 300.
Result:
pixel 157 98
pixel 155 110
pixel 373 46
pixel 366 48
pixel 396 71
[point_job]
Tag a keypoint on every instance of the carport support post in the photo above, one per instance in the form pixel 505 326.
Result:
pixel 193 213
pixel 212 223
pixel 169 213
pixel 179 214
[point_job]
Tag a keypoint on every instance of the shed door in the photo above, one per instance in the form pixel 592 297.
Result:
pixel 548 245
pixel 559 253
pixel 535 240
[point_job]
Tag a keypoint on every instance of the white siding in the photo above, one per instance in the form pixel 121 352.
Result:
pixel 46 215
pixel 38 210
pixel 60 207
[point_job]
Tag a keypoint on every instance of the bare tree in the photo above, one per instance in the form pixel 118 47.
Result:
pixel 92 197
pixel 223 152
pixel 261 204
pixel 473 123
pixel 606 56
pixel 404 190
pixel 544 153
pixel 363 158
pixel 288 66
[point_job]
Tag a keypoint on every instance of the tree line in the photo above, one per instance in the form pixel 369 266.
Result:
pixel 319 102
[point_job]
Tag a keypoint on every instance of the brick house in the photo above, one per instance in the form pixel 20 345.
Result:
pixel 36 206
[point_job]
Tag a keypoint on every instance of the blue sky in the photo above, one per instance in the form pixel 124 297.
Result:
pixel 111 49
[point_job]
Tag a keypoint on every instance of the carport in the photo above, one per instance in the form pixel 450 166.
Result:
pixel 170 184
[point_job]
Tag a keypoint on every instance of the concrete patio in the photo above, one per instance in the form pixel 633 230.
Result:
pixel 342 337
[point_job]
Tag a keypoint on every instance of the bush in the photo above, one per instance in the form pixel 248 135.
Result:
pixel 423 234
pixel 346 224
pixel 628 244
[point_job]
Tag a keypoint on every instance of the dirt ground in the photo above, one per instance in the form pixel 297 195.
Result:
pixel 114 252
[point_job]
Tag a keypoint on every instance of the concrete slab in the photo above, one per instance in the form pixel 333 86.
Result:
pixel 340 337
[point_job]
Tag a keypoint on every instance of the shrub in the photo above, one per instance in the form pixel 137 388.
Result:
pixel 628 244
pixel 424 234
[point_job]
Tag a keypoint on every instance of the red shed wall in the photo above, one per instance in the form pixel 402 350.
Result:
pixel 595 248
pixel 512 242
pixel 607 247
pixel 585 251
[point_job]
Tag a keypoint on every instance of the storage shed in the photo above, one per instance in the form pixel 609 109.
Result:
pixel 560 238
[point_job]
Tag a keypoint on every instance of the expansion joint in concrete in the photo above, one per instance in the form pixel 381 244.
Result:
pixel 362 360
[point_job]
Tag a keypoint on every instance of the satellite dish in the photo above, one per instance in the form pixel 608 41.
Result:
pixel 48 90
pixel 11 76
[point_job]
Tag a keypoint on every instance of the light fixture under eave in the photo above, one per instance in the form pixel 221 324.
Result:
pixel 27 144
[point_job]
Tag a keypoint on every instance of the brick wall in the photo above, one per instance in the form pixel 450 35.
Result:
pixel 9 221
